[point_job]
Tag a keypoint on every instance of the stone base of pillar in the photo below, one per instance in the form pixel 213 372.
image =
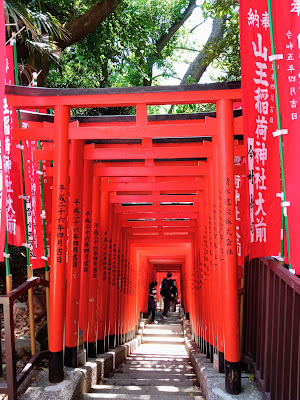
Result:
pixel 92 351
pixel 112 341
pixel 56 366
pixel 233 377
pixel 71 357
pixel 221 362
pixel 100 346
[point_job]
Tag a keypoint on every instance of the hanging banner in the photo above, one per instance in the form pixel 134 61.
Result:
pixel 34 204
pixel 12 167
pixel 259 114
pixel 2 89
pixel 286 16
pixel 35 213
pixel 48 186
pixel 241 209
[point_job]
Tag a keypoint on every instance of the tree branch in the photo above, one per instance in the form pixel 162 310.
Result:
pixel 80 27
pixel 199 65
pixel 197 26
pixel 164 39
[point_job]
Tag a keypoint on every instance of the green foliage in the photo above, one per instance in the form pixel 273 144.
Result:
pixel 123 50
pixel 224 55
pixel 192 108
pixel 41 28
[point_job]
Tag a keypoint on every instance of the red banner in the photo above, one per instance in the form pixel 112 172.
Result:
pixel 2 88
pixel 35 214
pixel 286 16
pixel 241 209
pixel 34 205
pixel 12 168
pixel 258 98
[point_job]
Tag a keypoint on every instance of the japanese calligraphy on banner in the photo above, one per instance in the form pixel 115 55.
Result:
pixel 241 209
pixel 12 168
pixel 2 88
pixel 286 17
pixel 258 98
pixel 33 204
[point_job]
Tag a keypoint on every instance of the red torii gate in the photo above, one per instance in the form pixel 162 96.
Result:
pixel 109 218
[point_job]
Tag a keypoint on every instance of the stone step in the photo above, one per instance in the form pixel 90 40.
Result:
pixel 141 389
pixel 155 363
pixel 169 396
pixel 159 333
pixel 163 328
pixel 159 369
pixel 138 374
pixel 163 340
pixel 129 381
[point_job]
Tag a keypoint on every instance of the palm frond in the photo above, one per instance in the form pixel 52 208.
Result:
pixel 41 29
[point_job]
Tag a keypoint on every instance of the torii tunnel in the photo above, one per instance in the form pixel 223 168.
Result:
pixel 139 196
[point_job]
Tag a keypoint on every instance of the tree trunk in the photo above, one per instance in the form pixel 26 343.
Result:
pixel 82 26
pixel 200 63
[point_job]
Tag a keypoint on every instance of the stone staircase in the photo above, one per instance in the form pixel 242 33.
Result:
pixel 159 369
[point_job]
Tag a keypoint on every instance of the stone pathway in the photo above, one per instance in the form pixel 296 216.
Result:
pixel 159 369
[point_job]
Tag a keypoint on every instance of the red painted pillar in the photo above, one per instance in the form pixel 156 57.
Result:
pixel 122 288
pixel 201 245
pixel 118 284
pixel 113 292
pixel 218 243
pixel 58 243
pixel 126 302
pixel 94 266
pixel 211 278
pixel 74 253
pixel 109 275
pixel 86 249
pixel 229 273
pixel 102 282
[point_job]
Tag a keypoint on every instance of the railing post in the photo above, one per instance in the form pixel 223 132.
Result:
pixel 225 142
pixel 58 243
pixel 10 349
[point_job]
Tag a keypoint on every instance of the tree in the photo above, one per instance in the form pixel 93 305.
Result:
pixel 222 46
pixel 119 42
pixel 162 19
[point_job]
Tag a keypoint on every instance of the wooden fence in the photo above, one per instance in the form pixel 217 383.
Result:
pixel 271 335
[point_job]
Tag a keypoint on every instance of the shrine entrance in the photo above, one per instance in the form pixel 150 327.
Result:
pixel 139 196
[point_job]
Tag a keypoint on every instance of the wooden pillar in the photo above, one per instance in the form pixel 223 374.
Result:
pixel 74 253
pixel 94 266
pixel 211 281
pixel 86 249
pixel 113 291
pixel 102 282
pixel 58 243
pixel 225 142
pixel 218 243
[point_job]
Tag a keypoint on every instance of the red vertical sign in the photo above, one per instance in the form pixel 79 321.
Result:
pixel 241 209
pixel 259 112
pixel 2 88
pixel 286 16
pixel 11 166
pixel 33 205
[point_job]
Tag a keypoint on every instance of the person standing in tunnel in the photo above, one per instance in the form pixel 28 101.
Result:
pixel 174 291
pixel 152 301
pixel 166 294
